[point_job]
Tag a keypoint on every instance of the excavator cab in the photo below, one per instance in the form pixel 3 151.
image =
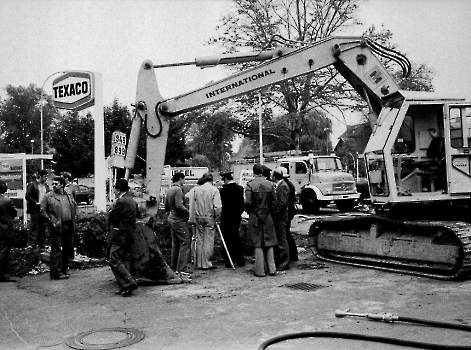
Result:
pixel 419 151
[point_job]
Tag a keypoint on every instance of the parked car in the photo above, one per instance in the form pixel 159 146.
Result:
pixel 84 194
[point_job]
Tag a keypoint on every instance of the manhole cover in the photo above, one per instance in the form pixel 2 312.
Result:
pixel 303 286
pixel 105 338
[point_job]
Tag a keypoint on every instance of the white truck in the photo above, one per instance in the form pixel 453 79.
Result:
pixel 319 180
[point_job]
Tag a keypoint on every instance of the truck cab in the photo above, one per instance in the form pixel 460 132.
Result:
pixel 320 181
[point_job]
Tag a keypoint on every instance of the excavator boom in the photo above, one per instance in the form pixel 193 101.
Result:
pixel 418 156
pixel 353 57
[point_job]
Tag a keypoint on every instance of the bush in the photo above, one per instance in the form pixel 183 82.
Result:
pixel 21 234
pixel 22 261
pixel 91 234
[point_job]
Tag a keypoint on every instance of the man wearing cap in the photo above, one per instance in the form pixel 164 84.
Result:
pixel 122 220
pixel 58 209
pixel 232 199
pixel 260 204
pixel 266 172
pixel 7 214
pixel 205 211
pixel 281 218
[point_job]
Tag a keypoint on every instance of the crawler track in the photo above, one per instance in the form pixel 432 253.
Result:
pixel 433 249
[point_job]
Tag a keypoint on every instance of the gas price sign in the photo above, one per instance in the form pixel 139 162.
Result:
pixel 118 148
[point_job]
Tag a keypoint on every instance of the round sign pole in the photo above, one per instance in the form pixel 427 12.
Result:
pixel 100 164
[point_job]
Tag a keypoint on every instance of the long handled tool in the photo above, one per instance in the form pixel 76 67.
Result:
pixel 193 243
pixel 224 244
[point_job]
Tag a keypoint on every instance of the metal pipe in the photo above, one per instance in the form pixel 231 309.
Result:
pixel 228 59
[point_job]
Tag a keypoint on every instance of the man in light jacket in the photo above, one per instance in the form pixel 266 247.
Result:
pixel 205 211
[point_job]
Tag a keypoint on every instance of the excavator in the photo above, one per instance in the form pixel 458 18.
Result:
pixel 418 156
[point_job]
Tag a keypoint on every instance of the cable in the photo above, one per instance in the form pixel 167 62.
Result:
pixel 386 317
pixel 141 105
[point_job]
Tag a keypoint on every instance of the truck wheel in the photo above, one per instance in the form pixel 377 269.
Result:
pixel 90 200
pixel 345 205
pixel 310 203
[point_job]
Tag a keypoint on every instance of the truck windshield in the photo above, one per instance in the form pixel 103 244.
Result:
pixel 327 163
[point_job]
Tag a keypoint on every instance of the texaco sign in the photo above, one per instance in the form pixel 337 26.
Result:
pixel 74 91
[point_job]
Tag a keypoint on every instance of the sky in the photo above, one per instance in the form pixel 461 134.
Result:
pixel 41 37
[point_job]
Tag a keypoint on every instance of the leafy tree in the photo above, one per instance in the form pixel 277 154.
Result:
pixel 177 151
pixel 20 119
pixel 278 136
pixel 72 137
pixel 211 134
pixel 254 24
pixel 295 23
pixel 200 160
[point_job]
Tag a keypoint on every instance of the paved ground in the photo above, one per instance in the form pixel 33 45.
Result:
pixel 227 309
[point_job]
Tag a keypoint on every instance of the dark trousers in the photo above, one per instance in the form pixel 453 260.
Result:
pixel 5 248
pixel 180 244
pixel 37 229
pixel 117 259
pixel 293 249
pixel 61 249
pixel 230 232
pixel 282 258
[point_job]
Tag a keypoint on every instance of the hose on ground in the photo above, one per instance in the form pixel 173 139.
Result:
pixel 386 317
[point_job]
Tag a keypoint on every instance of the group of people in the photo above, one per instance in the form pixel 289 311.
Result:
pixel 270 203
pixel 55 208
pixel 199 214
pixel 199 210
pixel 204 210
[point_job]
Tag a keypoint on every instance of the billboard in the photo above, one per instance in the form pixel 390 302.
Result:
pixel 12 172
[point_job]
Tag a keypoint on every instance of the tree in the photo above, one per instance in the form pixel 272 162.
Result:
pixel 20 119
pixel 200 160
pixel 294 23
pixel 177 152
pixel 71 138
pixel 254 24
pixel 211 134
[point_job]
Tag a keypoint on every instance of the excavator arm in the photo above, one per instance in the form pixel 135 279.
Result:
pixel 353 57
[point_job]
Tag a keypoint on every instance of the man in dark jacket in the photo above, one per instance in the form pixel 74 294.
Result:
pixel 232 200
pixel 281 218
pixel 7 214
pixel 260 204
pixel 292 210
pixel 122 221
pixel 58 210
pixel 35 192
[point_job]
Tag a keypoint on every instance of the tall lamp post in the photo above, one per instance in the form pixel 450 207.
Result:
pixel 32 146
pixel 42 115
pixel 260 124
pixel 328 131
pixel 354 166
